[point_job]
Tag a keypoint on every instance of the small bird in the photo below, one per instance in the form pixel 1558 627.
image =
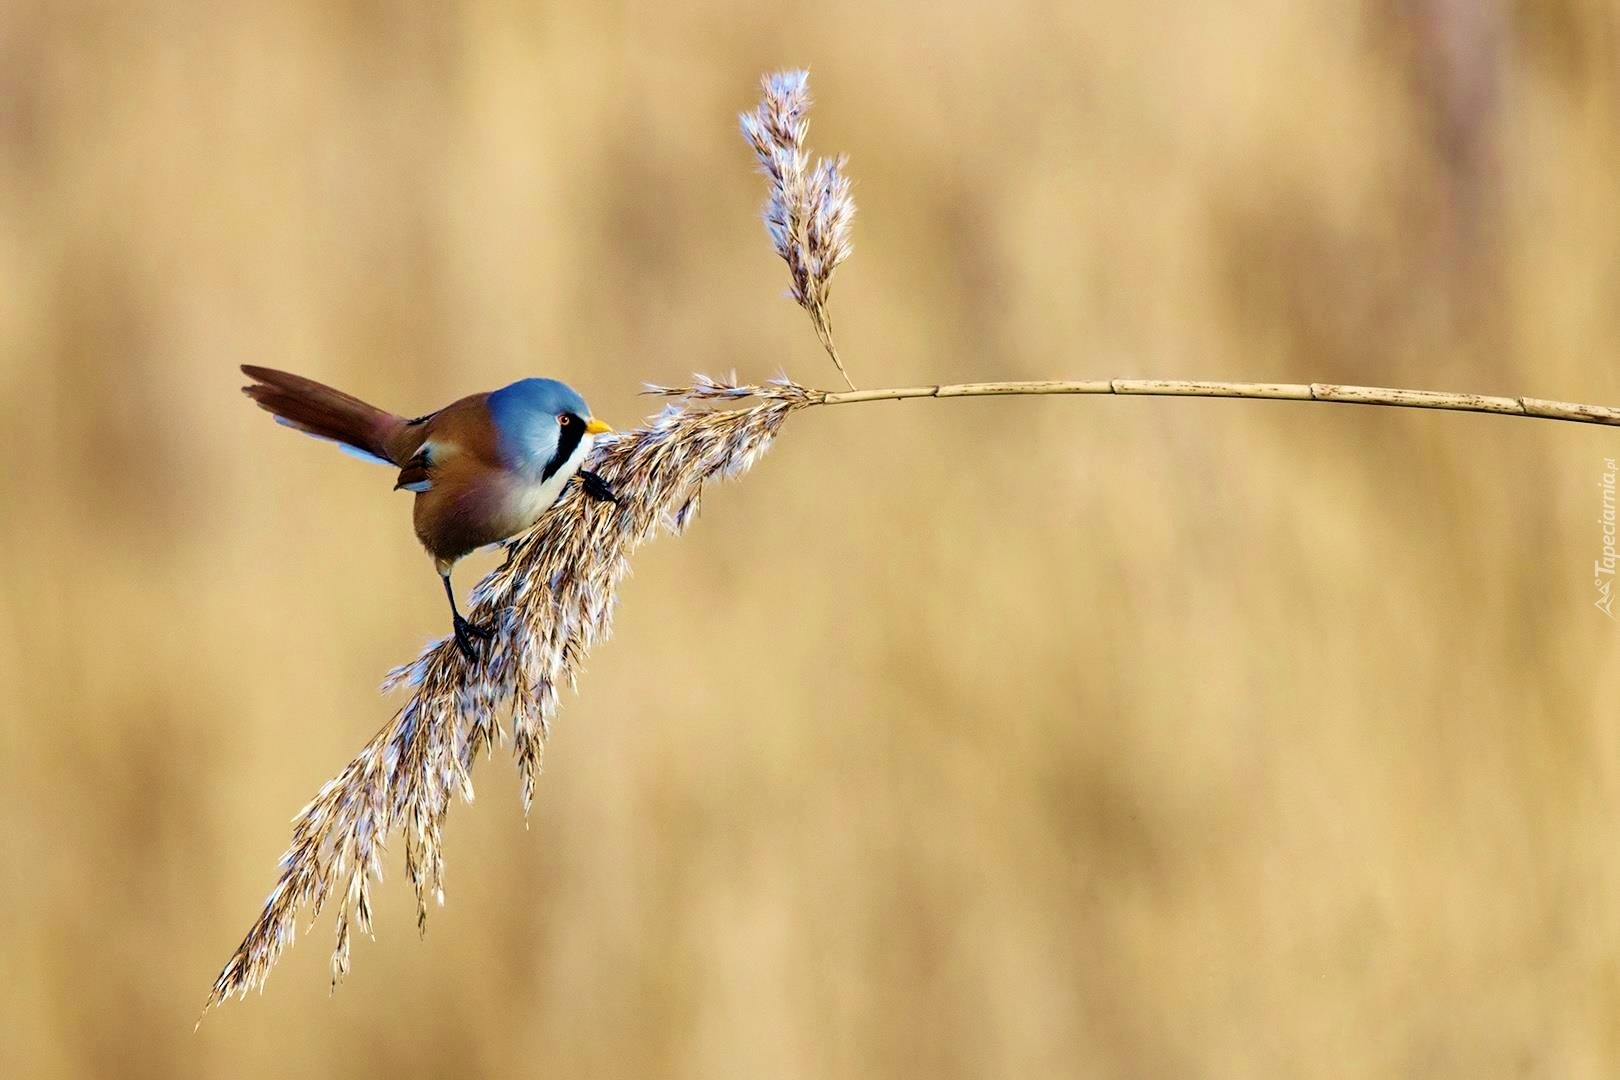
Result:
pixel 483 468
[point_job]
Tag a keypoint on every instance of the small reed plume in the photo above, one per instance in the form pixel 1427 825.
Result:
pixel 550 602
pixel 809 210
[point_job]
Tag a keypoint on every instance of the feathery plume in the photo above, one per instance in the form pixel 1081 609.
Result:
pixel 809 210
pixel 550 602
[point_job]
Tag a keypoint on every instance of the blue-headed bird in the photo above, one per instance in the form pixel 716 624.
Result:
pixel 483 469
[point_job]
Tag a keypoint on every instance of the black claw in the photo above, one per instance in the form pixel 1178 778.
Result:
pixel 464 643
pixel 596 487
pixel 467 634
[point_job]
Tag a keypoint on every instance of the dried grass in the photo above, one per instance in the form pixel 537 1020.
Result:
pixel 552 600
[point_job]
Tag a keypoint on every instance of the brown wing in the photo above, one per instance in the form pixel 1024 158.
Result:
pixel 421 444
pixel 416 475
pixel 460 481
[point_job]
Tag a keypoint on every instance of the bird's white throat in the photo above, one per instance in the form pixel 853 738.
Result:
pixel 529 501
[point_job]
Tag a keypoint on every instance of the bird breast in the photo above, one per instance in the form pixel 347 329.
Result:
pixel 527 499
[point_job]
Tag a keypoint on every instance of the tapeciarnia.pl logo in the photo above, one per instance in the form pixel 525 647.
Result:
pixel 1603 570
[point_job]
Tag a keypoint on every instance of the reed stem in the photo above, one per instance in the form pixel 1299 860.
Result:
pixel 1336 392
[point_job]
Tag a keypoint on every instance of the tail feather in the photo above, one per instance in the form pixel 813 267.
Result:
pixel 326 413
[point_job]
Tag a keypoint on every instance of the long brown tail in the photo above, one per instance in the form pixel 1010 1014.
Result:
pixel 326 413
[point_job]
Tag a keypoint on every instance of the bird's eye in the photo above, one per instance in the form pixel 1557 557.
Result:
pixel 564 419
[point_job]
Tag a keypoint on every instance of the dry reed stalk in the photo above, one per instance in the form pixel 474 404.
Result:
pixel 552 599
pixel 809 213
pixel 550 602
pixel 1542 408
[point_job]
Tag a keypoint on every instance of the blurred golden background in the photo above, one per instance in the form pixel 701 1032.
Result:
pixel 1016 738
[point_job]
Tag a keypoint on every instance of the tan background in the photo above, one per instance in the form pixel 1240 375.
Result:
pixel 1026 738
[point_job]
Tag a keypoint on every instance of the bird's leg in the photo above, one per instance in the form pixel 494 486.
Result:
pixel 596 487
pixel 465 631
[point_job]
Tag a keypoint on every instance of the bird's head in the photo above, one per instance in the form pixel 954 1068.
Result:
pixel 543 426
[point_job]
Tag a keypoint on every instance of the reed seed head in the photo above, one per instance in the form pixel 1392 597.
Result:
pixel 809 210
pixel 551 602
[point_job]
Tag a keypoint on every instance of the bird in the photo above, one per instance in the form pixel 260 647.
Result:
pixel 483 468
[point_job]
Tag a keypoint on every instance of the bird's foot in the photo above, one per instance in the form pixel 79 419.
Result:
pixel 596 487
pixel 467 633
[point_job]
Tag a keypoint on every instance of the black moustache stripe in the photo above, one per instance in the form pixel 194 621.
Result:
pixel 567 442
